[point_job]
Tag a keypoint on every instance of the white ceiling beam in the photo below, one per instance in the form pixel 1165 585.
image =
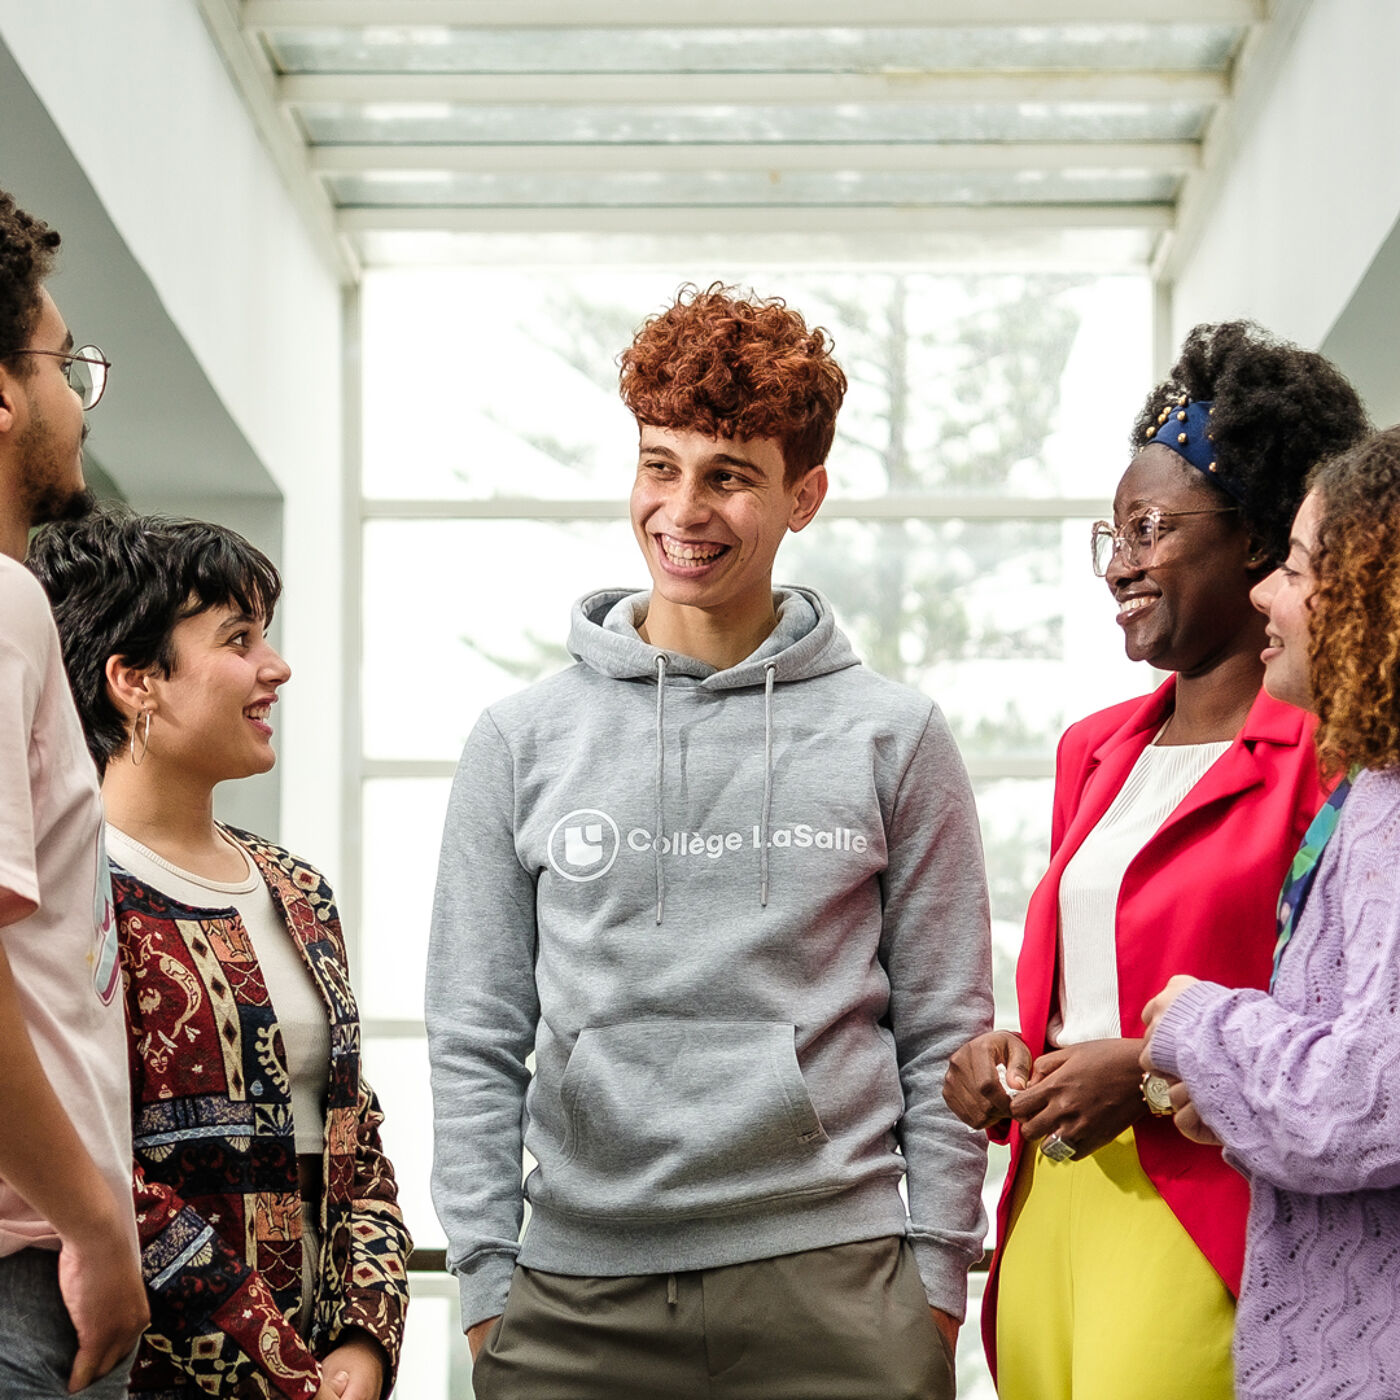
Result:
pixel 1256 68
pixel 739 14
pixel 751 89
pixel 744 220
pixel 572 159
pixel 253 77
pixel 1096 252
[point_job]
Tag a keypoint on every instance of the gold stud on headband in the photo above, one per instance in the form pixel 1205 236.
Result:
pixel 1181 437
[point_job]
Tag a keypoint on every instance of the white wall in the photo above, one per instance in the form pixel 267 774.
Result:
pixel 1312 190
pixel 142 101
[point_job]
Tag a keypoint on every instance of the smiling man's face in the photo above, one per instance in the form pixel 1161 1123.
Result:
pixel 709 515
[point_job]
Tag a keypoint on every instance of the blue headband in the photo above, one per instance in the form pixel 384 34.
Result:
pixel 1183 427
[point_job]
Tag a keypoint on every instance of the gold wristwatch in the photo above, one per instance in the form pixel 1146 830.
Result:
pixel 1158 1094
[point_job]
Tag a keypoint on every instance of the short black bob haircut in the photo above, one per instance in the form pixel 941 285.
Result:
pixel 120 583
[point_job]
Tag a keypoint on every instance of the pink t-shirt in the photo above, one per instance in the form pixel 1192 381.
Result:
pixel 57 923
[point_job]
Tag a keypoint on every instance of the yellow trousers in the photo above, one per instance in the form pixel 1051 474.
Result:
pixel 1103 1295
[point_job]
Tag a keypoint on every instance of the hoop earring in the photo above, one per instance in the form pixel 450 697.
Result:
pixel 145 739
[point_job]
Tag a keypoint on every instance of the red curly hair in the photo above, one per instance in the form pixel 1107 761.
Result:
pixel 716 364
pixel 1354 632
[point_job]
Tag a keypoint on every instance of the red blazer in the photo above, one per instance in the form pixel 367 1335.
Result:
pixel 1199 898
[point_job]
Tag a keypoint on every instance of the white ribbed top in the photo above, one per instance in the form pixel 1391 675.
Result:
pixel 1090 885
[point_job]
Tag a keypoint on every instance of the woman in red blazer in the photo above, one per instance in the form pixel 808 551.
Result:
pixel 1120 1244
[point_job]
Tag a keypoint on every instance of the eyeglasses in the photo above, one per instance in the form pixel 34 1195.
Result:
pixel 85 369
pixel 1137 541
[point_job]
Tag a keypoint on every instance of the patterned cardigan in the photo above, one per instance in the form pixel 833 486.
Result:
pixel 217 1200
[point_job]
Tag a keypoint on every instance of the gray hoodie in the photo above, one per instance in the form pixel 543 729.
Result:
pixel 740 919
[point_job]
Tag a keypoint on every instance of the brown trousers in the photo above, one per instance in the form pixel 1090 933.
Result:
pixel 845 1323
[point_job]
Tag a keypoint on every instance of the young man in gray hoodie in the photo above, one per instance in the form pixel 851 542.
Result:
pixel 725 884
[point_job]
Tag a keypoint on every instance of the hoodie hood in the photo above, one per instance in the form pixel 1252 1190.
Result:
pixel 805 643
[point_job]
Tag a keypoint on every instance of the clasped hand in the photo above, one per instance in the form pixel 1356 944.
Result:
pixel 1085 1094
pixel 354 1370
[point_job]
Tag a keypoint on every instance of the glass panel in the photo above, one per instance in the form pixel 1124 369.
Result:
pixel 436 589
pixel 1038 379
pixel 975 614
pixel 974 1379
pixel 525 404
pixel 748 188
pixel 402 832
pixel 432 1335
pixel 398 1070
pixel 1015 819
pixel 1001 384
pixel 972 612
pixel 337 123
pixel 1080 250
pixel 1170 47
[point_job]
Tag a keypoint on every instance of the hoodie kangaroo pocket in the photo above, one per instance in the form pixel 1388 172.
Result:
pixel 671 1116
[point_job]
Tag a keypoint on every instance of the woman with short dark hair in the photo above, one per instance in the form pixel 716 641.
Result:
pixel 272 1243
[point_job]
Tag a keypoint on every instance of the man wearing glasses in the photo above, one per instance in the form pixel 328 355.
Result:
pixel 72 1301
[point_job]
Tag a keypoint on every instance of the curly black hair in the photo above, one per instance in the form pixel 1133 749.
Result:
pixel 119 584
pixel 1279 411
pixel 27 247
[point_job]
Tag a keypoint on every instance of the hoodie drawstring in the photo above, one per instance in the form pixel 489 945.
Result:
pixel 765 820
pixel 769 670
pixel 660 779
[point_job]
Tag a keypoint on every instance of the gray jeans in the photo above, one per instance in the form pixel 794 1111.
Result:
pixel 37 1340
pixel 845 1323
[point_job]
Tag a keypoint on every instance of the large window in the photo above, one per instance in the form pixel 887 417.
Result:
pixel 986 425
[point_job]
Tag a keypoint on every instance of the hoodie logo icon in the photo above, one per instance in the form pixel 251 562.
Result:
pixel 583 845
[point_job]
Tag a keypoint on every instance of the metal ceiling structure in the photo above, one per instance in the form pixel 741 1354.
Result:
pixel 937 130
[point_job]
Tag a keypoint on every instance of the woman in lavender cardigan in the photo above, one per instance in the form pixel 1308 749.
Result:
pixel 1300 1083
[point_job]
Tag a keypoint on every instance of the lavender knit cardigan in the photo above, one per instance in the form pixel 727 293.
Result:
pixel 1303 1088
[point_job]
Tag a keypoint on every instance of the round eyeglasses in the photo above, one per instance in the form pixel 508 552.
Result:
pixel 85 369
pixel 1137 541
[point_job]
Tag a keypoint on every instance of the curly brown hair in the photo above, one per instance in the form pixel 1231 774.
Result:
pixel 1354 632
pixel 717 364
pixel 27 247
pixel 1279 410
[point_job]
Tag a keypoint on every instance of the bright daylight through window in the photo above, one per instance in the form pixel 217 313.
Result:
pixel 985 428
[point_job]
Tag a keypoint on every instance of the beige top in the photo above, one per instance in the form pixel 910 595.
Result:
pixel 57 923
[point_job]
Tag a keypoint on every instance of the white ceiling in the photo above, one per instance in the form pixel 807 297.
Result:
pixel 937 130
